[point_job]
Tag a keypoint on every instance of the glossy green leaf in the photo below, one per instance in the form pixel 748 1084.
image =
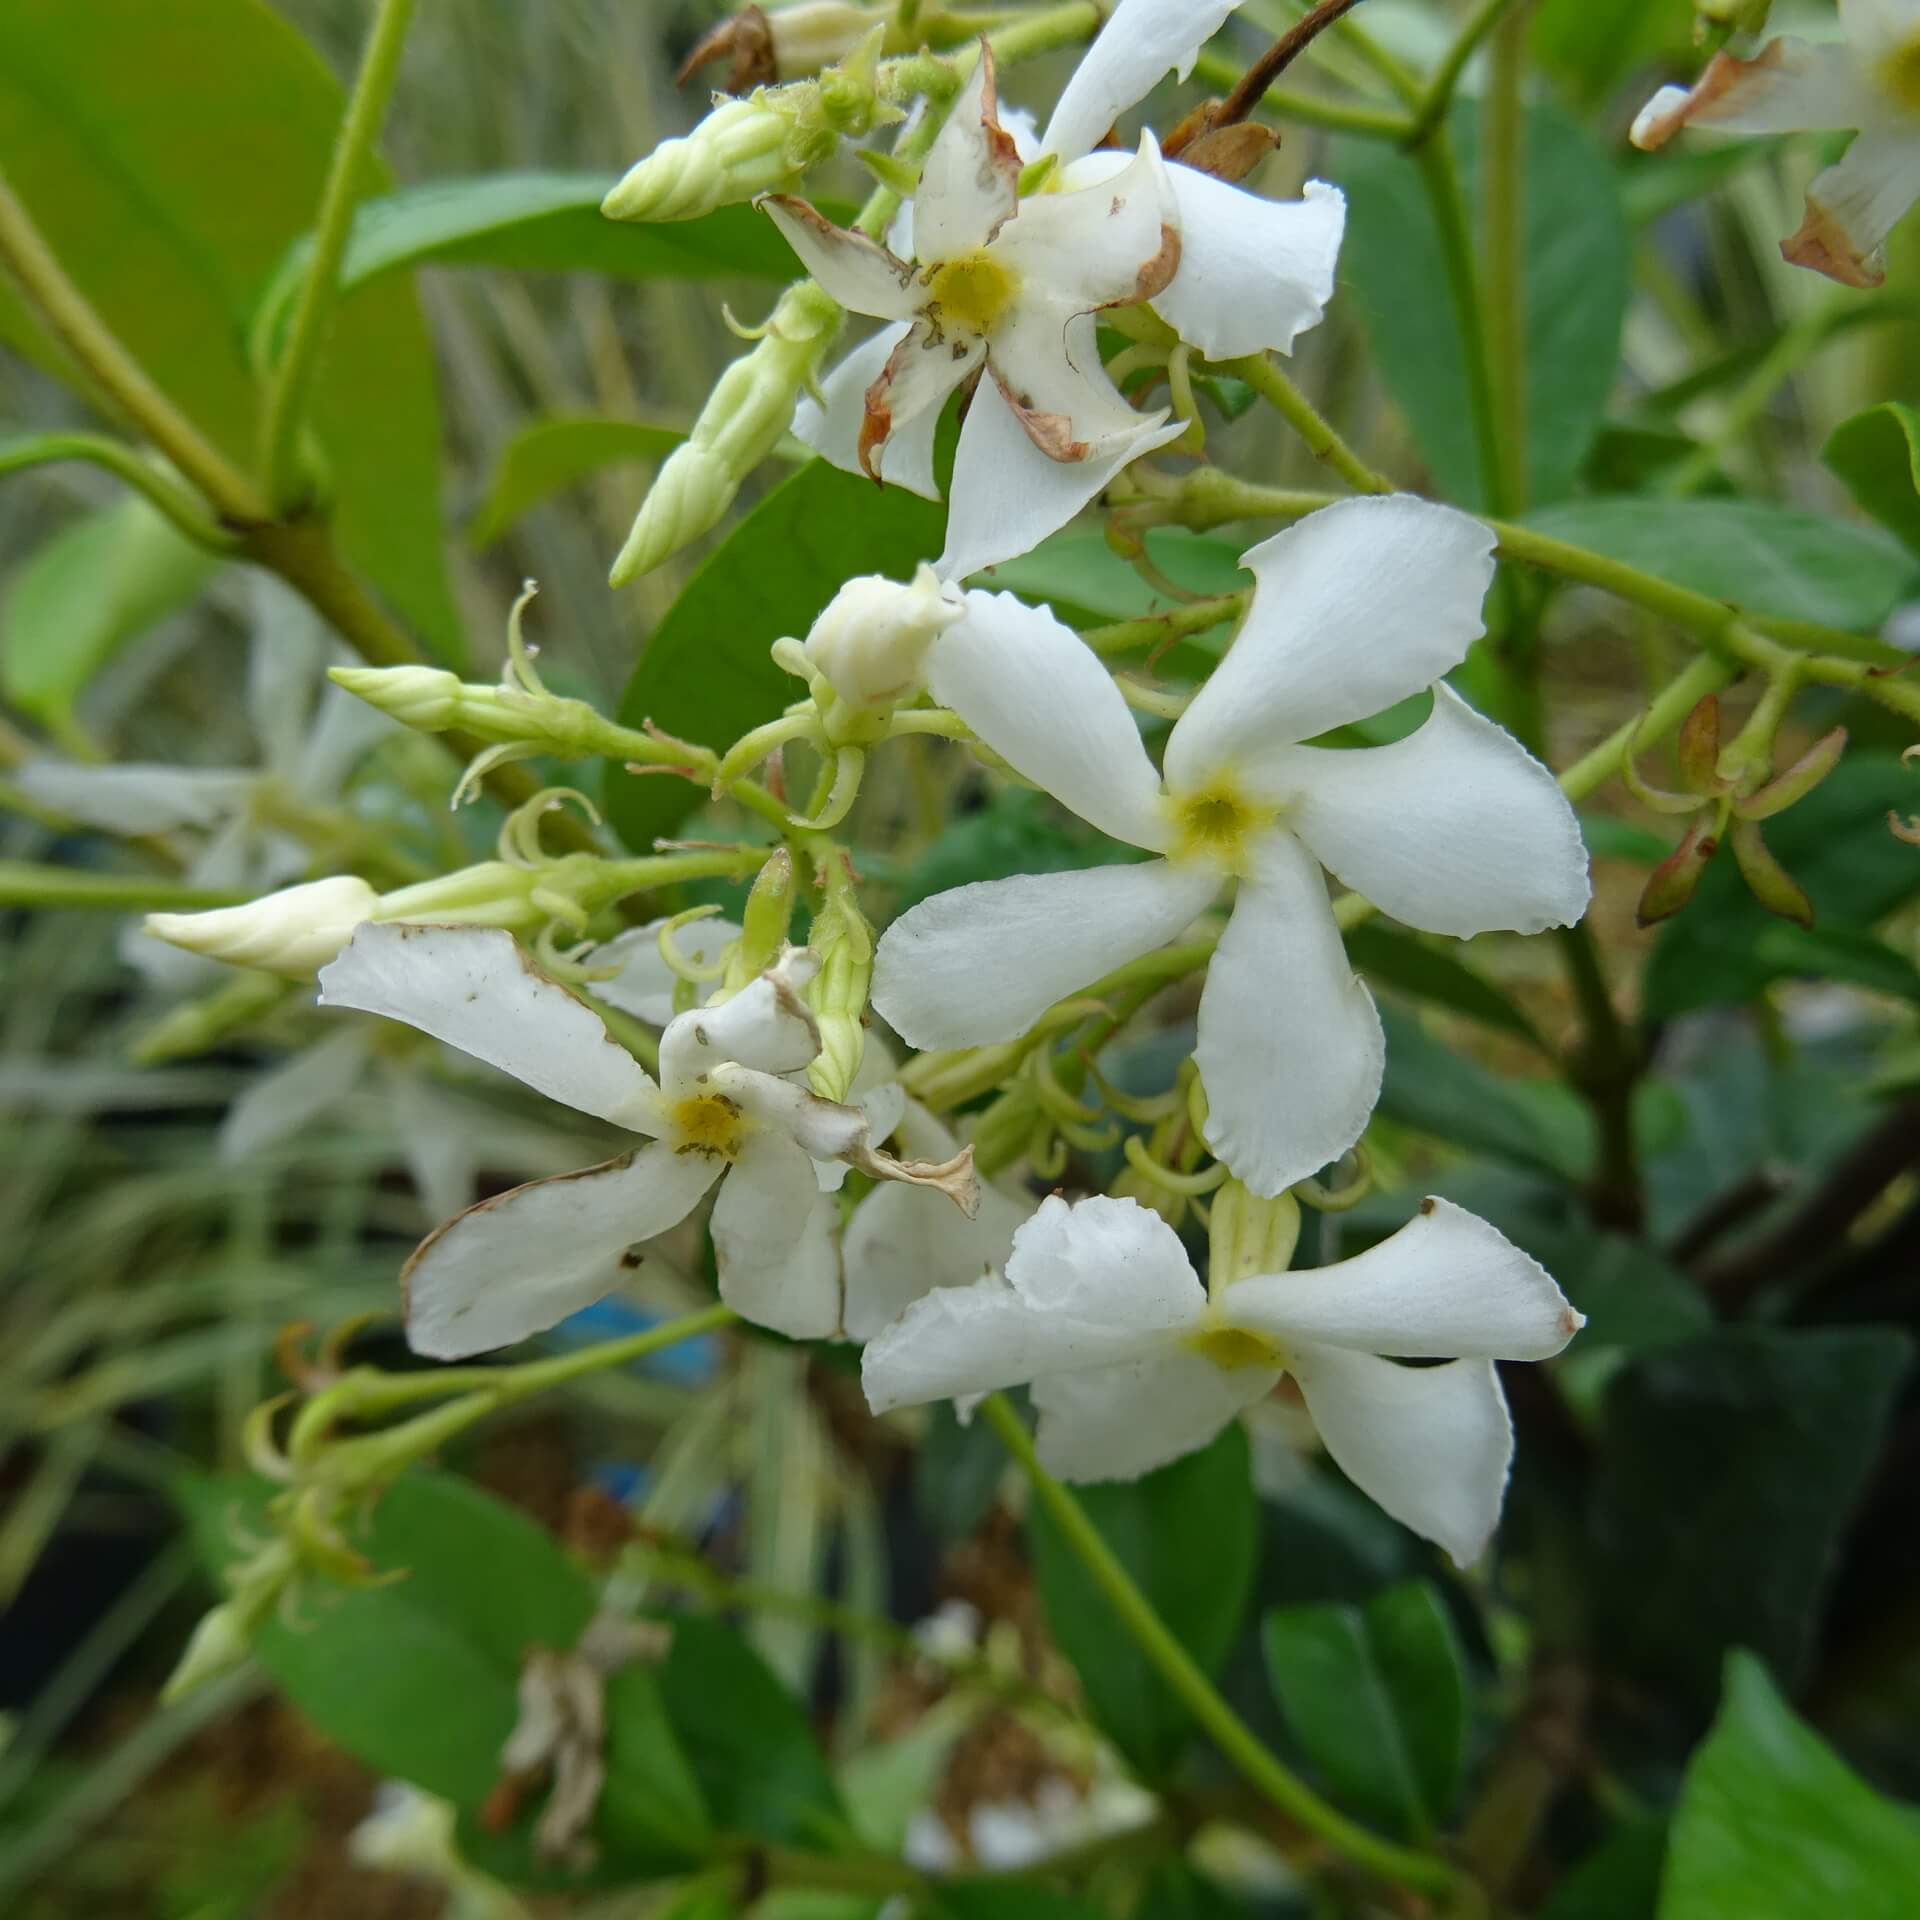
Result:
pixel 547 456
pixel 170 155
pixel 957 1472
pixel 1377 1697
pixel 1769 559
pixel 1016 831
pixel 1726 947
pixel 1188 1535
pixel 1631 1293
pixel 747 1740
pixel 1877 453
pixel 1773 1822
pixel 1729 1467
pixel 97 584
pixel 1430 972
pixel 1085 581
pixel 414 1678
pixel 704 673
pixel 1587 45
pixel 1576 258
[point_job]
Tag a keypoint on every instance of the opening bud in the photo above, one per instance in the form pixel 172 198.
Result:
pixel 424 698
pixel 763 926
pixel 870 643
pixel 1248 1235
pixel 293 932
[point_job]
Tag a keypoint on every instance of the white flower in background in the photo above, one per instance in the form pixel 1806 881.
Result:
pixel 1009 286
pixel 1456 829
pixel 1251 273
pixel 1869 81
pixel 1132 1365
pixel 515 1265
pixel 411 1832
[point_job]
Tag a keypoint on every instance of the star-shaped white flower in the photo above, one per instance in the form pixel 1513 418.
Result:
pixel 1009 286
pixel 515 1265
pixel 1131 1364
pixel 1869 81
pixel 1455 829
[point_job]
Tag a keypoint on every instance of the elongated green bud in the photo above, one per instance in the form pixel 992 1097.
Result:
pixel 741 149
pixel 749 409
pixel 764 923
pixel 433 700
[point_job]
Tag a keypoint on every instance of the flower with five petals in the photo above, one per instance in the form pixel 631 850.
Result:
pixel 1132 1365
pixel 721 1112
pixel 1455 829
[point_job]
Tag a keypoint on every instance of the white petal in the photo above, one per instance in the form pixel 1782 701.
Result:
pixel 1102 245
pixel 877 1092
pixel 920 372
pixel 1141 40
pixel 1116 1423
pixel 766 1026
pixel 969 183
pixel 1090 1286
pixel 136 798
pixel 1008 496
pixel 1354 608
pixel 278 1104
pixel 474 988
pixel 1852 207
pixel 1447 1285
pixel 1254 273
pixel 645 984
pixel 859 273
pixel 833 431
pixel 1455 829
pixel 1045 361
pixel 983 962
pixel 1290 1049
pixel 1039 696
pixel 823 1128
pixel 1790 86
pixel 516 1265
pixel 773 1241
pixel 1877 28
pixel 1432 1445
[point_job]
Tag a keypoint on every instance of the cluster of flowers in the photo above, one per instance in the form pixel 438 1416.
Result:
pixel 959 1288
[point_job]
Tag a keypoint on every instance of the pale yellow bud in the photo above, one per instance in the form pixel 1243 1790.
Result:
pixel 742 148
pixel 293 932
pixel 425 698
pixel 871 642
pixel 222 1640
pixel 816 33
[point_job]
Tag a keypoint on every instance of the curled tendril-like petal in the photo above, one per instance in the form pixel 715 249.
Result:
pixel 1349 1193
pixel 741 330
pixel 1054 1099
pixel 560 962
pixel 483 763
pixel 849 764
pixel 746 753
pixel 1187 1185
pixel 1145 699
pixel 313 1527
pixel 677 962
pixel 1907 829
pixel 1047 1153
pixel 1197 1107
pixel 521 654
pixel 290 1356
pixel 519 841
pixel 257 1445
pixel 1145 1108
pixel 1658 799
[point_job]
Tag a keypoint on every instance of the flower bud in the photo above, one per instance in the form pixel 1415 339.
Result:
pixel 1248 1235
pixel 839 999
pixel 1773 886
pixel 742 148
pixel 1670 886
pixel 221 1642
pixel 492 893
pixel 424 698
pixel 294 932
pixel 871 641
pixel 764 923
pixel 1789 788
pixel 750 407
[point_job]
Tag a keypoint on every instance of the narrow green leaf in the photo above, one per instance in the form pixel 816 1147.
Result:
pixel 546 456
pixel 1772 1821
pixel 171 154
pixel 1188 1535
pixel 1769 559
pixel 96 585
pixel 705 673
pixel 1877 454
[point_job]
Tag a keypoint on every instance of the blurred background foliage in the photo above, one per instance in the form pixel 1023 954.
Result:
pixel 1710 1132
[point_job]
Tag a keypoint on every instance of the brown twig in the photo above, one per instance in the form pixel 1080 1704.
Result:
pixel 1276 60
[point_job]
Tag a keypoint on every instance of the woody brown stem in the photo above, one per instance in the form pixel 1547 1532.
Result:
pixel 1277 58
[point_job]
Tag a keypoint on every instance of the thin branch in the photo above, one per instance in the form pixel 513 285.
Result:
pixel 115 457
pixel 1278 58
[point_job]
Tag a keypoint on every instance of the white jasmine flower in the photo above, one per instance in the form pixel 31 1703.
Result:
pixel 1869 81
pixel 1455 829
pixel 720 1113
pixel 1132 1365
pixel 1005 285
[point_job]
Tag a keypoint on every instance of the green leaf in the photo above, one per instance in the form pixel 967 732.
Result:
pixel 417 1677
pixel 1840 954
pixel 1632 1295
pixel 1436 1091
pixel 1618 1879
pixel 956 1474
pixel 1771 560
pixel 170 155
pixel 1378 1699
pixel 1589 45
pixel 1178 1891
pixel 94 586
pixel 1087 583
pixel 1726 947
pixel 1432 973
pixel 705 674
pixel 1772 1821
pixel 1729 1468
pixel 1017 831
pixel 1877 454
pixel 1188 1536
pixel 747 1740
pixel 547 456
pixel 1001 1898
pixel 1576 256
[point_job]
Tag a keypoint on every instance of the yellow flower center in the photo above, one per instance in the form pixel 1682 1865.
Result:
pixel 1231 1348
pixel 707 1123
pixel 1216 823
pixel 973 291
pixel 1900 73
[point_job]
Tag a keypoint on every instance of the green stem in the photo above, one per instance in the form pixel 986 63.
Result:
pixel 25 884
pixel 185 512
pixel 1285 1789
pixel 291 382
pixel 1446 76
pixel 1503 178
pixel 1293 406
pixel 1156 629
pixel 1707 674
